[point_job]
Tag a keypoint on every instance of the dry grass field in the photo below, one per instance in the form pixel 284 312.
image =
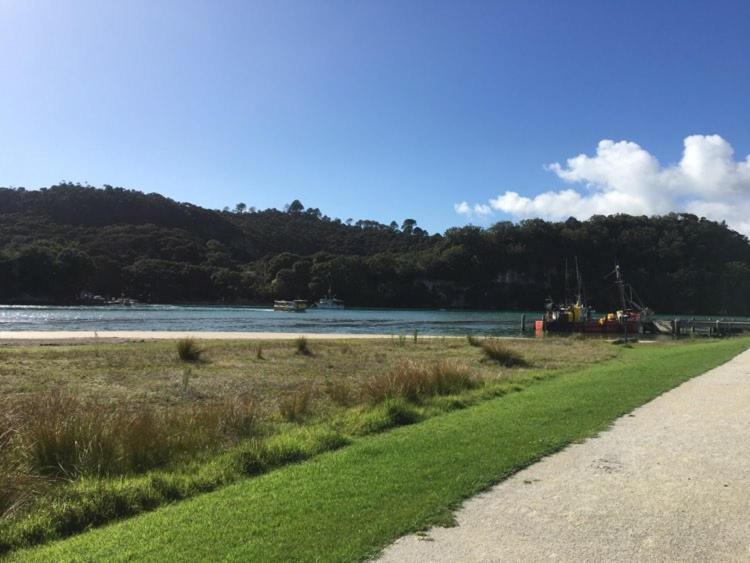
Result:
pixel 95 431
pixel 151 372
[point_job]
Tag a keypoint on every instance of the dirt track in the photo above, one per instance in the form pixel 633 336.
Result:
pixel 669 482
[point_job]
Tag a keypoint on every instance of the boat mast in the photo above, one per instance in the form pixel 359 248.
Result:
pixel 620 287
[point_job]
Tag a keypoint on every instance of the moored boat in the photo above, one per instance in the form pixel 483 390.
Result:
pixel 578 316
pixel 294 306
pixel 329 302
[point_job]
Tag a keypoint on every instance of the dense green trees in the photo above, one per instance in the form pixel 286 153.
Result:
pixel 59 241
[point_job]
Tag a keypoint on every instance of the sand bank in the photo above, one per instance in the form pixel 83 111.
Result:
pixel 54 335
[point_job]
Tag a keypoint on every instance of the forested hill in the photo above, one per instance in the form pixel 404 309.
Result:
pixel 57 242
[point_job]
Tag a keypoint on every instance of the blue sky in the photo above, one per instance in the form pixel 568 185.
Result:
pixel 370 109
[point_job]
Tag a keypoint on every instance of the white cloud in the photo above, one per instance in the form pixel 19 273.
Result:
pixel 622 177
pixel 478 210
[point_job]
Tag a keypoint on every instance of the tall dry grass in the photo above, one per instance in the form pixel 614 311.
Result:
pixel 341 393
pixel 18 483
pixel 59 436
pixel 473 340
pixel 499 352
pixel 415 381
pixel 296 405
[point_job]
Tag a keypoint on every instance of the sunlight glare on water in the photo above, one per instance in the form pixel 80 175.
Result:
pixel 252 319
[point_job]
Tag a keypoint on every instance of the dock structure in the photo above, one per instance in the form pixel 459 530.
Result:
pixel 711 327
pixel 675 327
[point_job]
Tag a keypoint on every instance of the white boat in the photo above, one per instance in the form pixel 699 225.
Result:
pixel 330 302
pixel 296 306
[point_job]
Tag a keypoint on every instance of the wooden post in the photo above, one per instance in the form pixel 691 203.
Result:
pixel 523 322
pixel 692 325
pixel 718 328
pixel 674 327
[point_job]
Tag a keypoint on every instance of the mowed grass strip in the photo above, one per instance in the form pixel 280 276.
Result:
pixel 349 504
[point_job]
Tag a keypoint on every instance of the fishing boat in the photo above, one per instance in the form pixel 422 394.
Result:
pixel 578 316
pixel 295 306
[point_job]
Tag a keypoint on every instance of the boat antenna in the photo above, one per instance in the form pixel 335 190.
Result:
pixel 566 291
pixel 579 282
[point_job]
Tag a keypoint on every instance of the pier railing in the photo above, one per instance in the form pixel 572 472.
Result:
pixel 718 327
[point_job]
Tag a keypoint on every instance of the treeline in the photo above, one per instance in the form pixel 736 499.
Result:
pixel 57 242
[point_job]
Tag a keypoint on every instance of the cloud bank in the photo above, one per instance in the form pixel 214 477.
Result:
pixel 622 177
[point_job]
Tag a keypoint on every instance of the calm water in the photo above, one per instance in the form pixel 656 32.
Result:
pixel 251 319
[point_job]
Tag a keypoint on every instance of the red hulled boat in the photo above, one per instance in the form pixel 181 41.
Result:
pixel 578 316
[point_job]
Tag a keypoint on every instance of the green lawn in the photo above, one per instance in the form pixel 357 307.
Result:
pixel 347 505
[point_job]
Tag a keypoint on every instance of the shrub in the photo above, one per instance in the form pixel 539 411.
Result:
pixel 302 346
pixel 188 350
pixel 295 406
pixel 500 353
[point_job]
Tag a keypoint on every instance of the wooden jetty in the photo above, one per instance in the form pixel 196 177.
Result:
pixel 711 327
pixel 682 327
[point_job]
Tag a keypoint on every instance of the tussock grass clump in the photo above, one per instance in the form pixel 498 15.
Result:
pixel 188 350
pixel 498 352
pixel 296 405
pixel 259 352
pixel 302 346
pixel 59 436
pixel 473 340
pixel 449 377
pixel 62 437
pixel 414 381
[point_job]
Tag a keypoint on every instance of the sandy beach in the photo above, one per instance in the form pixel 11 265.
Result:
pixel 61 335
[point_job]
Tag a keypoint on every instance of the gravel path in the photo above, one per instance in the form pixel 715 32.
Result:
pixel 668 482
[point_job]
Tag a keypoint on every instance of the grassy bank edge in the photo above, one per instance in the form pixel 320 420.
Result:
pixel 349 504
pixel 87 503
